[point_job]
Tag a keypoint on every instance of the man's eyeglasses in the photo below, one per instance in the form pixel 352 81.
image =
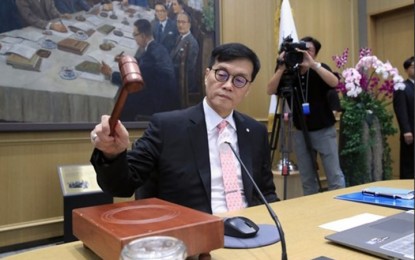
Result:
pixel 136 34
pixel 222 75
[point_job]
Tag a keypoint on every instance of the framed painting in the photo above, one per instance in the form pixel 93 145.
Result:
pixel 51 81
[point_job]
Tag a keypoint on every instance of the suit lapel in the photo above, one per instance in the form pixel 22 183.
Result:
pixel 179 45
pixel 198 138
pixel 410 84
pixel 244 145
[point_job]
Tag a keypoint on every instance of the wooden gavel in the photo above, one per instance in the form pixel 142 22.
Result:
pixel 131 82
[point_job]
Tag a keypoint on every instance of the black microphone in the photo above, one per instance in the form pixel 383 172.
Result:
pixel 271 212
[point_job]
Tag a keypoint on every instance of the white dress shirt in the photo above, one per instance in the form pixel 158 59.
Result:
pixel 218 201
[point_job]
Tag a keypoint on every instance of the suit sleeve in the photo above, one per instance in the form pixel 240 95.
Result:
pixel 259 160
pixel 83 5
pixel 54 12
pixel 116 78
pixel 113 176
pixel 121 176
pixel 268 186
pixel 28 16
pixel 400 107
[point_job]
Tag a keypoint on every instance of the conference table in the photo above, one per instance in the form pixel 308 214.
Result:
pixel 47 96
pixel 300 219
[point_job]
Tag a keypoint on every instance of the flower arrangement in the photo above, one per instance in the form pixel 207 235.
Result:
pixel 366 90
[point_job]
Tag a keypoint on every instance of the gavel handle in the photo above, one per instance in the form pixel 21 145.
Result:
pixel 116 111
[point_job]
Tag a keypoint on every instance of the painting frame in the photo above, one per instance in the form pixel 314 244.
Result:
pixel 210 12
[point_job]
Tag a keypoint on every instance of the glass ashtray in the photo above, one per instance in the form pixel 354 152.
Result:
pixel 48 44
pixel 81 35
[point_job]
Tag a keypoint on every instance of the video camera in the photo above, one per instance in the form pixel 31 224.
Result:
pixel 292 57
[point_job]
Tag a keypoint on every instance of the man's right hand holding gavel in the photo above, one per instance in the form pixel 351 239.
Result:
pixel 110 145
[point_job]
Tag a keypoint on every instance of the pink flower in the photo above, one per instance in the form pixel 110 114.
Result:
pixel 365 52
pixel 341 60
pixel 370 75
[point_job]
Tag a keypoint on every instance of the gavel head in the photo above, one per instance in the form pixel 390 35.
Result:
pixel 130 74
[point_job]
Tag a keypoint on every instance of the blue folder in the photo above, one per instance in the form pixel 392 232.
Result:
pixel 379 199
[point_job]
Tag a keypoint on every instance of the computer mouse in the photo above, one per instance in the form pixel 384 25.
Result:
pixel 240 227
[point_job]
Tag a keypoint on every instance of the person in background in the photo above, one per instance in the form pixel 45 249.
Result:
pixel 71 6
pixel 186 38
pixel 142 3
pixel 180 148
pixel 169 7
pixel 41 13
pixel 314 81
pixel 164 29
pixel 9 16
pixel 177 7
pixel 403 105
pixel 160 92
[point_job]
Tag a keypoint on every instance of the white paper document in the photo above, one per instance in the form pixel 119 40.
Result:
pixel 346 223
pixel 93 19
pixel 27 33
pixel 11 40
pixel 22 50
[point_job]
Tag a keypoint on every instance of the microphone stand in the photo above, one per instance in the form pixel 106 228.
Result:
pixel 271 212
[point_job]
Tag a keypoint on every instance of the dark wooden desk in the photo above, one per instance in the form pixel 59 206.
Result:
pixel 300 219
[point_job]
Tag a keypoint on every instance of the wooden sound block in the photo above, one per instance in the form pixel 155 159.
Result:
pixel 105 229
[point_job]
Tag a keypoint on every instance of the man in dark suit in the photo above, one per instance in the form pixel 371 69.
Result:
pixel 403 105
pixel 164 29
pixel 40 13
pixel 186 45
pixel 180 150
pixel 160 92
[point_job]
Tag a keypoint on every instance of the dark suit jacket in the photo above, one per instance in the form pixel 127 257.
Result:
pixel 160 92
pixel 403 104
pixel 193 52
pixel 169 34
pixel 71 6
pixel 9 16
pixel 37 14
pixel 175 148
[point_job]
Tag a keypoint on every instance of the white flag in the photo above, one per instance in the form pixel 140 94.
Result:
pixel 286 28
pixel 287 25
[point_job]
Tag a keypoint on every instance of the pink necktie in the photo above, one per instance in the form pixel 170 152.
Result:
pixel 230 180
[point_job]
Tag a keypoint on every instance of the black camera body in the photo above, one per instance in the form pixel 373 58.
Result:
pixel 292 57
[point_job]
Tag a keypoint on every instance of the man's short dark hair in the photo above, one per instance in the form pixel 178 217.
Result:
pixel 408 62
pixel 143 27
pixel 234 51
pixel 316 43
pixel 162 3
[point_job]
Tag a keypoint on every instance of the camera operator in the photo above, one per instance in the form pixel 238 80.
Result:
pixel 312 80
